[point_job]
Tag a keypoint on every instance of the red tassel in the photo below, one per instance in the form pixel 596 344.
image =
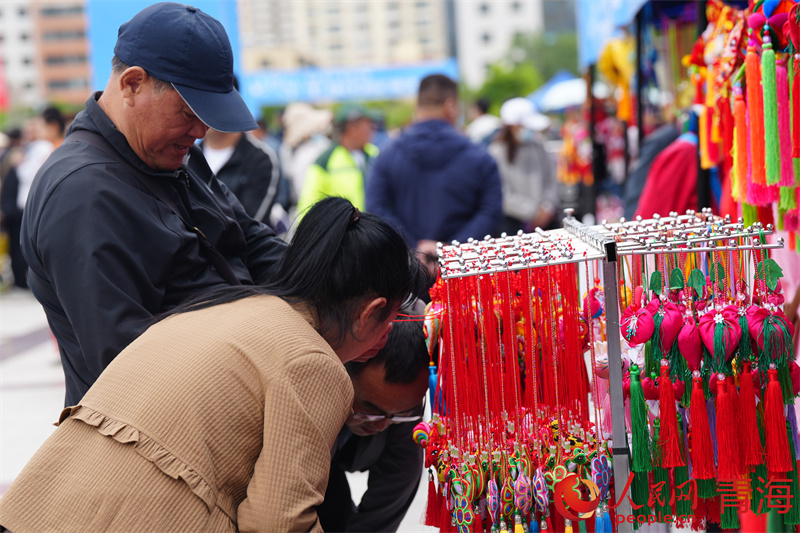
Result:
pixel 702 447
pixel 796 108
pixel 777 445
pixel 432 511
pixel 477 523
pixel 446 517
pixel 742 162
pixel 712 510
pixel 755 108
pixel 727 438
pixel 669 437
pixel 751 442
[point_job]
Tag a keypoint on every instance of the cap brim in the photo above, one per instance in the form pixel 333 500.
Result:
pixel 225 112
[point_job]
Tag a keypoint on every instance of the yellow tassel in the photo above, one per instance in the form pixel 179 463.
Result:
pixel 567 529
pixel 518 528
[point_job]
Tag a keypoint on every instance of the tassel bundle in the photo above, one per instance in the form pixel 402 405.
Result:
pixel 796 106
pixel 770 99
pixel 727 434
pixel 751 442
pixel 640 431
pixel 784 126
pixel 669 439
pixel 432 510
pixel 702 447
pixel 779 460
pixel 755 109
pixel 741 160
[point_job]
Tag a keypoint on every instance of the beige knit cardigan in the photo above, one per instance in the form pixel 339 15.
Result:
pixel 215 420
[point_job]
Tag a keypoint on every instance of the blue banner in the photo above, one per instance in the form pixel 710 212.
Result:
pixel 597 21
pixel 276 87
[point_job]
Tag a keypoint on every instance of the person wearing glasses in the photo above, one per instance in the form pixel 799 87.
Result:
pixel 388 402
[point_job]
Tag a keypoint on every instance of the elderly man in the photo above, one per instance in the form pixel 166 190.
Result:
pixel 125 219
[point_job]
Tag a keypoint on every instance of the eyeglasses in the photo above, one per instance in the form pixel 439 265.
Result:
pixel 397 419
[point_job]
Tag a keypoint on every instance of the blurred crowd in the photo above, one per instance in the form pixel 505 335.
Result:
pixel 307 153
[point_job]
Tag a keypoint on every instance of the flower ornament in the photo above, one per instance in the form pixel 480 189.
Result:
pixel 522 494
pixel 494 501
pixel 540 493
pixel 601 475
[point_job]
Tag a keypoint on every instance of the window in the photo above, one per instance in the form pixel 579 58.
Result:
pixel 393 6
pixel 23 11
pixel 64 35
pixel 61 11
pixel 75 59
pixel 486 37
pixel 27 60
pixel 334 29
pixel 24 36
pixel 72 83
pixel 394 24
pixel 265 63
pixel 516 6
pixel 28 85
pixel 484 8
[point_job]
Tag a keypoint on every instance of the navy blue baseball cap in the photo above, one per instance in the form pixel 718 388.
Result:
pixel 181 45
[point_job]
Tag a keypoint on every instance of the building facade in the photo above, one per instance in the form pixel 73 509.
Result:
pixel 287 34
pixel 484 31
pixel 45 51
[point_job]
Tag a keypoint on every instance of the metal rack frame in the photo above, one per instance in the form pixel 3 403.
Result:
pixel 578 243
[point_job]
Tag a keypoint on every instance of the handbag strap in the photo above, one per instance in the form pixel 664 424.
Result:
pixel 214 256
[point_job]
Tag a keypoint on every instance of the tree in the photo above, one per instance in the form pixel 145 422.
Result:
pixel 508 81
pixel 547 52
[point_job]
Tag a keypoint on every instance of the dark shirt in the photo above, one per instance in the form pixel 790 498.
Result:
pixel 394 463
pixel 252 174
pixel 106 255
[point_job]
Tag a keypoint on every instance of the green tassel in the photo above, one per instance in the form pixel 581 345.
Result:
pixel 786 384
pixel 793 516
pixel 796 162
pixel 757 496
pixel 706 488
pixel 679 371
pixel 788 199
pixel 745 350
pixel 681 476
pixel 640 492
pixel 719 348
pixel 651 365
pixel 656 340
pixel 640 430
pixel 729 516
pixel 773 145
pixel 749 214
pixel 781 213
pixel 659 475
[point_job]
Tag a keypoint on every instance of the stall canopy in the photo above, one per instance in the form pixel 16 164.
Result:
pixel 539 94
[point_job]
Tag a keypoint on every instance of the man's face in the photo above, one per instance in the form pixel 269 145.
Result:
pixel 162 128
pixel 374 396
pixel 361 131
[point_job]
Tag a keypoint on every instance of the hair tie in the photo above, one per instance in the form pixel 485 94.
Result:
pixel 356 215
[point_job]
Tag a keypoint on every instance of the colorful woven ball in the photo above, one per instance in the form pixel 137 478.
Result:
pixel 422 432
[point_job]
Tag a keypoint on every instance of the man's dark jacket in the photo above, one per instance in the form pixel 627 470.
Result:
pixel 253 175
pixel 394 462
pixel 106 255
pixel 434 183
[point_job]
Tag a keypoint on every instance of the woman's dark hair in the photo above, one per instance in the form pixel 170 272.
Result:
pixel 404 357
pixel 338 257
pixel 507 137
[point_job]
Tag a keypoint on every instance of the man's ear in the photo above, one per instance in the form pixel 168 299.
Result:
pixel 131 83
pixel 368 314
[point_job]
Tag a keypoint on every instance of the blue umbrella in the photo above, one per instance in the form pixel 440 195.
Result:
pixel 559 77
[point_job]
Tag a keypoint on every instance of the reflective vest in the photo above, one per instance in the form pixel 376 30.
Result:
pixel 335 173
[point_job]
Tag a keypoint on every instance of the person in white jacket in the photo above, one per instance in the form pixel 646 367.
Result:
pixel 530 196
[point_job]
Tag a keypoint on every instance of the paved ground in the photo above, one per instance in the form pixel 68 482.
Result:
pixel 32 394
